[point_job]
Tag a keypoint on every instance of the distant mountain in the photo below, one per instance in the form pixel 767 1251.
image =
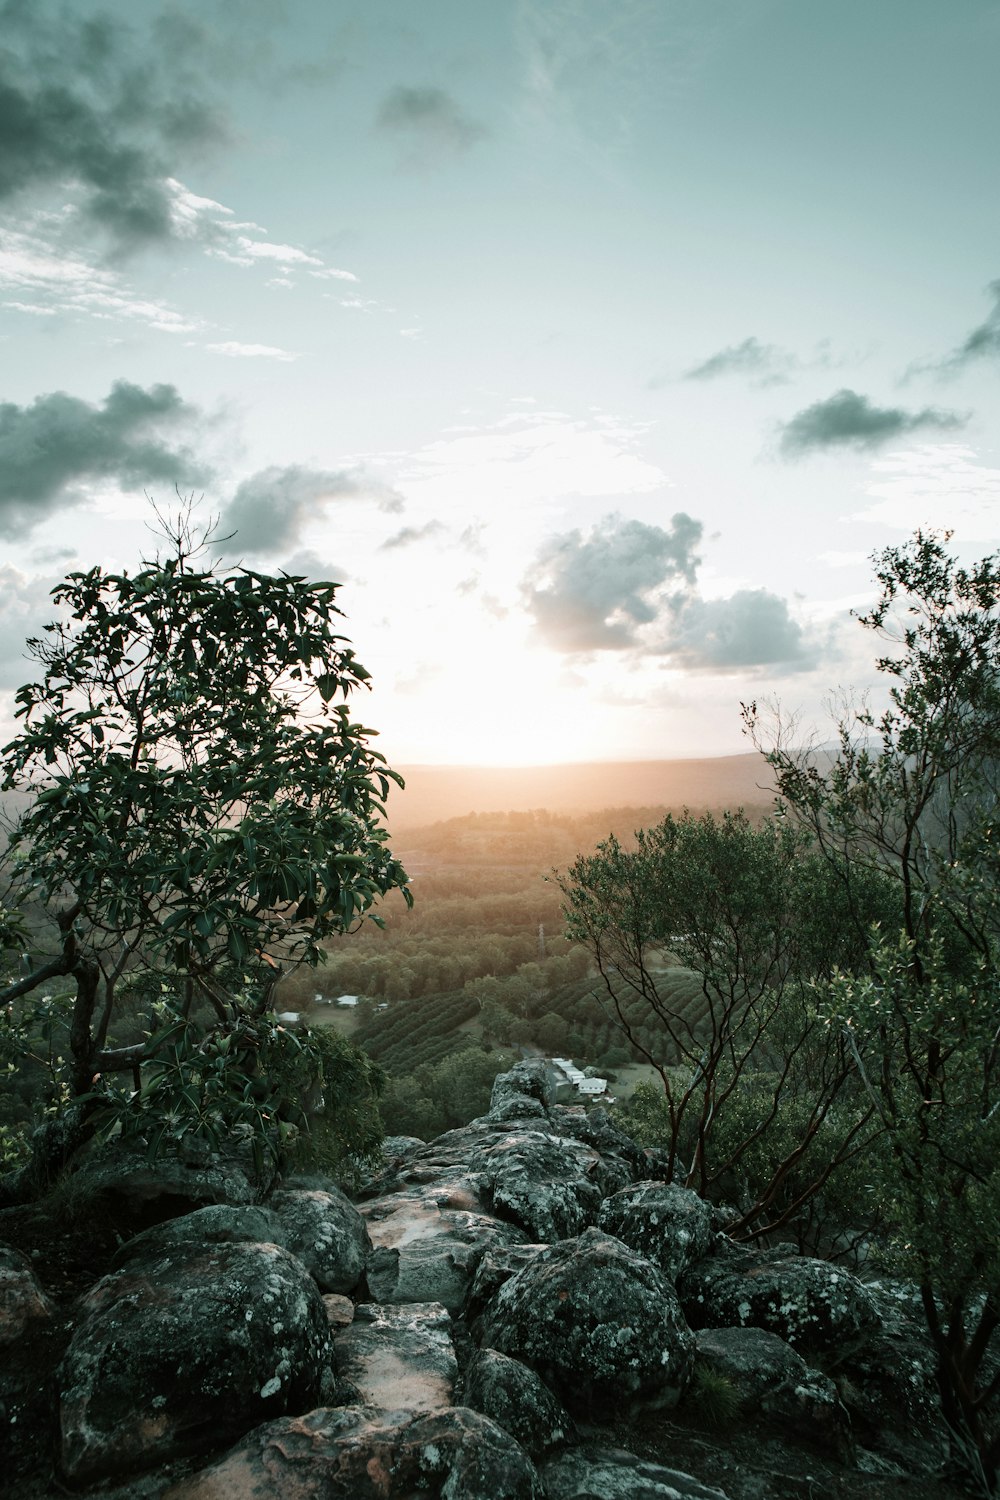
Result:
pixel 434 793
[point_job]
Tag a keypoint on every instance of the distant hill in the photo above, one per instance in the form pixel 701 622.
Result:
pixel 434 793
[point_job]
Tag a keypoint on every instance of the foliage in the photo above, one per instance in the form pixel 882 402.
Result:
pixel 715 1397
pixel 199 802
pixel 437 1097
pixel 759 918
pixel 911 795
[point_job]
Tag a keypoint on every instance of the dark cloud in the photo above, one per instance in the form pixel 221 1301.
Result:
pixel 269 510
pixel 762 364
pixel 429 120
pixel 846 419
pixel 752 628
pixel 411 534
pixel 94 103
pixel 59 442
pixel 983 342
pixel 591 593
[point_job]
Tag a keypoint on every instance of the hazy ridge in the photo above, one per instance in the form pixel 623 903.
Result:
pixel 434 793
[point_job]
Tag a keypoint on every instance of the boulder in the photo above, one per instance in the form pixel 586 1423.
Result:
pixel 327 1234
pixel 771 1380
pixel 518 1401
pixel 399 1356
pixel 612 1474
pixel 668 1224
pixel 22 1301
pixel 498 1264
pixel 217 1224
pixel 528 1089
pixel 119 1182
pixel 179 1351
pixel 600 1324
pixel 548 1185
pixel 815 1306
pixel 355 1453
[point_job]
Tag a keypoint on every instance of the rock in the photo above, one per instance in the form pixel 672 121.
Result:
pixel 354 1453
pixel 518 1401
pixel 22 1301
pixel 770 1379
pixel 339 1310
pixel 815 1306
pixel 121 1183
pixel 399 1356
pixel 550 1186
pixel 218 1224
pixel 498 1264
pixel 611 1474
pixel 426 1252
pixel 668 1224
pixel 327 1234
pixel 600 1324
pixel 527 1089
pixel 176 1353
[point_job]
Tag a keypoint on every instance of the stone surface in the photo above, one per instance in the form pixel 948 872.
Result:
pixel 497 1265
pixel 549 1186
pixel 772 1380
pixel 529 1082
pixel 141 1192
pixel 815 1306
pixel 425 1248
pixel 22 1301
pixel 668 1224
pixel 399 1356
pixel 600 1324
pixel 518 1401
pixel 611 1474
pixel 216 1224
pixel 327 1234
pixel 354 1453
pixel 171 1355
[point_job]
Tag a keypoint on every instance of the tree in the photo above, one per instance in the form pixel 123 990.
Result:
pixel 910 795
pixel 738 1046
pixel 200 807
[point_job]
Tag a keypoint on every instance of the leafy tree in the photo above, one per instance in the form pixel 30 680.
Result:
pixel 910 794
pixel 758 918
pixel 200 805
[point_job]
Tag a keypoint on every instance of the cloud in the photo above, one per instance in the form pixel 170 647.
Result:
pixel 430 121
pixel 25 609
pixel 762 364
pixel 250 351
pixel 90 102
pixel 937 486
pixel 60 441
pixel 984 341
pixel 846 419
pixel 751 628
pixel 632 588
pixel 69 283
pixel 270 509
pixel 591 592
pixel 411 534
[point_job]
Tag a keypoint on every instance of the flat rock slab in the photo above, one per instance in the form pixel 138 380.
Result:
pixel 354 1453
pixel 426 1248
pixel 398 1357
pixel 612 1474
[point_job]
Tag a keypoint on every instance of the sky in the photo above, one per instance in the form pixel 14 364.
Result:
pixel 593 346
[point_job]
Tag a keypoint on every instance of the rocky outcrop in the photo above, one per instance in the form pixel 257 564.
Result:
pixel 496 1310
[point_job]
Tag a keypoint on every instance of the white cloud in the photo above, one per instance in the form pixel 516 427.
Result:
pixel 250 351
pixel 936 485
